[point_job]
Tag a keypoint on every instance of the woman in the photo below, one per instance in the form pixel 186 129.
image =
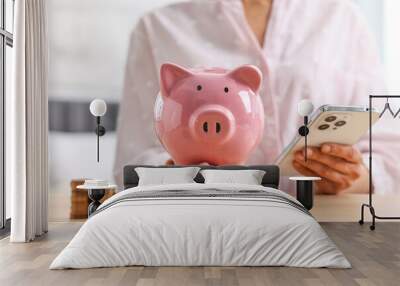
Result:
pixel 320 50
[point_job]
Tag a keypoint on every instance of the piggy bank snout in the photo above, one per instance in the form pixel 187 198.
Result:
pixel 212 123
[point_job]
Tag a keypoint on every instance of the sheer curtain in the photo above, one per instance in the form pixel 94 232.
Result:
pixel 27 123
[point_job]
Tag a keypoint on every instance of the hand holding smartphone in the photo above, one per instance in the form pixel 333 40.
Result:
pixel 343 125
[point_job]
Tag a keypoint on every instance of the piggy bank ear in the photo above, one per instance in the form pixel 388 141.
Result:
pixel 170 74
pixel 248 75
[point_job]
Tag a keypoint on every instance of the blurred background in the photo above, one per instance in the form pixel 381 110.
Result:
pixel 88 48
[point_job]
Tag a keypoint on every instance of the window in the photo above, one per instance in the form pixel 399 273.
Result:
pixel 392 45
pixel 383 17
pixel 374 11
pixel 6 43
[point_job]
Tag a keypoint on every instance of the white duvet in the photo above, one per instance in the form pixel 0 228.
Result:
pixel 183 231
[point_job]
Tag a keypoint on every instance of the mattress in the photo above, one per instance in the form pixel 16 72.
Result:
pixel 201 225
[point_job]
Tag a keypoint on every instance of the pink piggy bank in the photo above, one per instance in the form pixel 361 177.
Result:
pixel 210 116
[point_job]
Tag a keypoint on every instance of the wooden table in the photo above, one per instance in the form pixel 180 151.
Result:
pixel 347 207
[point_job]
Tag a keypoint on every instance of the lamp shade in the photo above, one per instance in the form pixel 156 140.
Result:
pixel 305 107
pixel 98 107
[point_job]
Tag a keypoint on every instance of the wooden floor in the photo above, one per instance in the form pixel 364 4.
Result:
pixel 375 257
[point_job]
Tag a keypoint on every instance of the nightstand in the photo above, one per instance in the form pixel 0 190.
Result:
pixel 95 194
pixel 304 190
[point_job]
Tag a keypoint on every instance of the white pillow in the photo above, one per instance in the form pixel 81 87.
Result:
pixel 248 177
pixel 163 176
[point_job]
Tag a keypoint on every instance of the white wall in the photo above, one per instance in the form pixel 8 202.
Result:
pixel 88 44
pixel 74 156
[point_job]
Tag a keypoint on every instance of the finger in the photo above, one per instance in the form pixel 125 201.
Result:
pixel 335 163
pixel 346 152
pixel 303 170
pixel 310 151
pixel 327 188
pixel 325 172
pixel 323 186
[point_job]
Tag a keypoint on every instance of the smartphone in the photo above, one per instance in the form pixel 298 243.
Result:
pixel 328 124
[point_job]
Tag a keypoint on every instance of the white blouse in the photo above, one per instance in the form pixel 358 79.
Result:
pixel 320 50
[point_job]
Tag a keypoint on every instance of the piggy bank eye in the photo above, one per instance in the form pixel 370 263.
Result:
pixel 199 87
pixel 226 89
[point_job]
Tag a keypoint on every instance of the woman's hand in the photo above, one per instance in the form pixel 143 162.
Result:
pixel 339 166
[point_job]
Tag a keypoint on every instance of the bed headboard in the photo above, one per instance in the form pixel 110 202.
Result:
pixel 271 177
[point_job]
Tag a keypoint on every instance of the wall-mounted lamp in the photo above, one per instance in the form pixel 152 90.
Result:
pixel 98 108
pixel 305 108
pixel 304 189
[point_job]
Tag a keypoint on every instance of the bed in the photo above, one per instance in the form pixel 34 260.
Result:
pixel 199 224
